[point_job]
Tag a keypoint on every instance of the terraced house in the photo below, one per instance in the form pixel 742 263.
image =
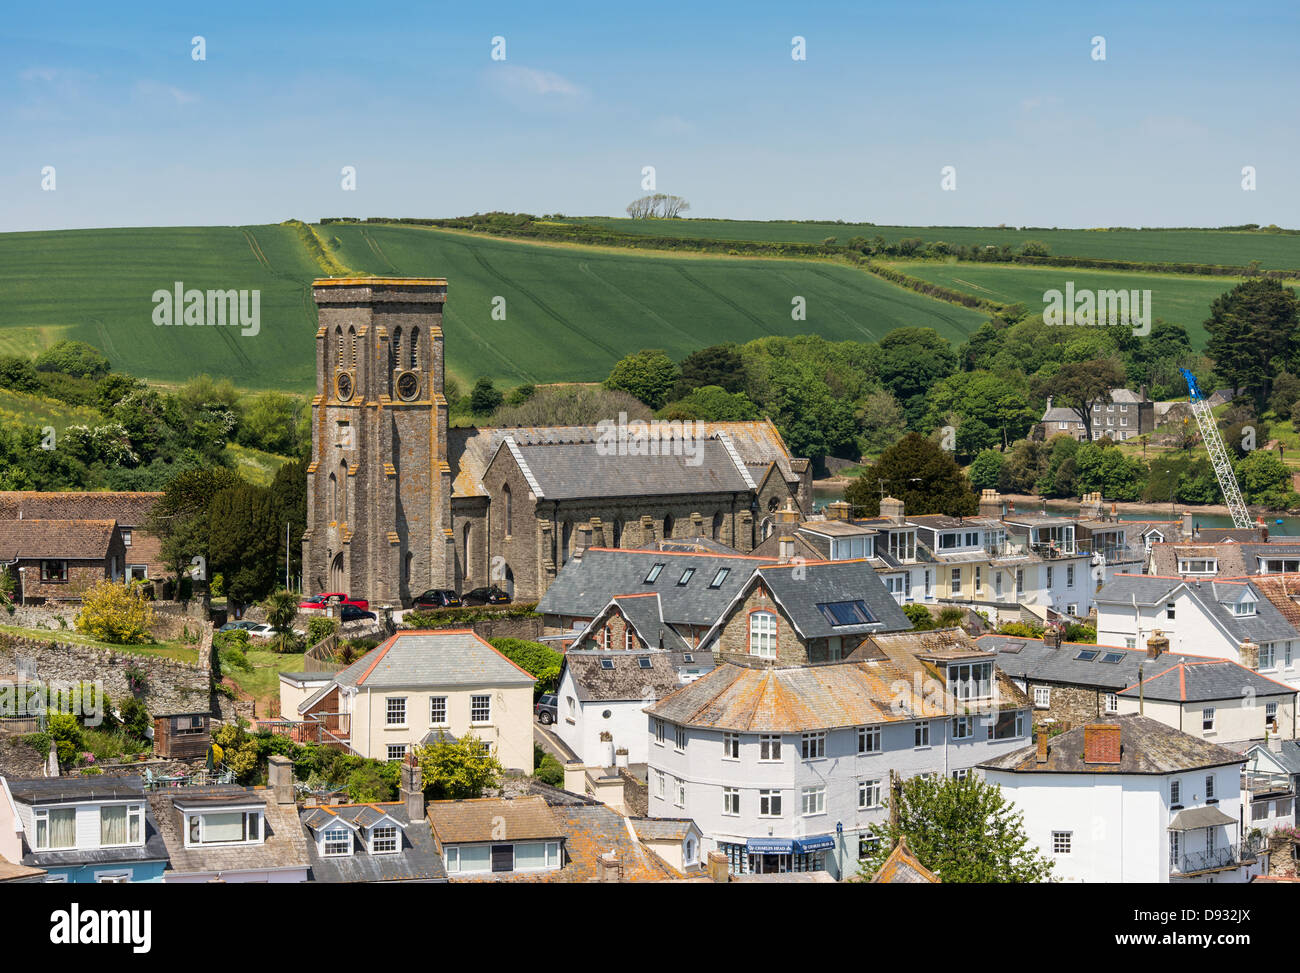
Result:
pixel 785 764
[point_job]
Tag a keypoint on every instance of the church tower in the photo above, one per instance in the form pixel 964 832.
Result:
pixel 379 486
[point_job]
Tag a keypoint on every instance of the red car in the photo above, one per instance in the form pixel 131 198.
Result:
pixel 319 601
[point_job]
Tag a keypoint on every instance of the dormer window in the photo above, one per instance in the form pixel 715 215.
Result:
pixel 849 548
pixel 384 840
pixel 1244 607
pixel 121 824
pixel 1198 566
pixel 336 842
pixel 971 680
pixel 229 827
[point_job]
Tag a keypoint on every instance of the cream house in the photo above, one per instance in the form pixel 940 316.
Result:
pixel 1214 699
pixel 419 685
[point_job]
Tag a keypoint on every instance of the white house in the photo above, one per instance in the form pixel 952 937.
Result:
pixel 1225 619
pixel 601 701
pixel 786 768
pixel 1131 800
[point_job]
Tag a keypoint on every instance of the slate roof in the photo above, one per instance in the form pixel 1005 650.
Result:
pixel 801 588
pixel 83 540
pixel 644 612
pixel 1035 660
pixel 1205 680
pixel 130 509
pixel 663 829
pixel 522 818
pixel 447 657
pixel 56 790
pixel 1236 559
pixel 585 585
pixel 626 680
pixel 1288 756
pixel 887 689
pixel 470 450
pixel 566 471
pixel 417 860
pixel 1266 625
pixel 284 845
pixel 1147 746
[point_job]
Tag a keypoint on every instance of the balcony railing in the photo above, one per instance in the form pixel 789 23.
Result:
pixel 1211 859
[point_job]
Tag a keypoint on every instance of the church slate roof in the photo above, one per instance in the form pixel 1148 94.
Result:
pixel 470 449
pixel 570 471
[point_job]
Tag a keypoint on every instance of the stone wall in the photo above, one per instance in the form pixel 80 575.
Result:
pixel 1069 706
pixel 733 639
pixel 171 686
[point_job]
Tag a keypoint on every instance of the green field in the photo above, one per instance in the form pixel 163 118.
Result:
pixel 571 312
pixel 97 286
pixel 1177 298
pixel 1274 251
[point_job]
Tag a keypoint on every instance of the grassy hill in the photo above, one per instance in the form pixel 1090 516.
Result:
pixel 571 311
pixel 1237 248
pixel 1177 298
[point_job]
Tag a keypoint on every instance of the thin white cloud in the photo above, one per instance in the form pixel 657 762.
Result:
pixel 156 91
pixel 533 85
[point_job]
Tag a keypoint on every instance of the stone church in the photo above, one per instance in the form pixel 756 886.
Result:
pixel 398 503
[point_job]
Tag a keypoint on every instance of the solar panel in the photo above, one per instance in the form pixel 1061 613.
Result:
pixel 846 612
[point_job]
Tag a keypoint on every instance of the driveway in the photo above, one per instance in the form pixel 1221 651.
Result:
pixel 552 744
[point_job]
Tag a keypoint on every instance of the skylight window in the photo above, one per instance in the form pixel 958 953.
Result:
pixel 1112 657
pixel 607 663
pixel 1087 655
pixel 720 577
pixel 688 657
pixel 846 612
pixel 654 574
pixel 643 662
pixel 686 577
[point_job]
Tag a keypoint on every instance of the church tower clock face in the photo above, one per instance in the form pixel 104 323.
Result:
pixel 343 386
pixel 408 386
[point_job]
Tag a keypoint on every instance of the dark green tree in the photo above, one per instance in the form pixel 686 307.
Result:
pixel 180 517
pixel 649 375
pixel 719 365
pixel 962 830
pixel 485 397
pixel 242 534
pixel 915 470
pixel 1253 335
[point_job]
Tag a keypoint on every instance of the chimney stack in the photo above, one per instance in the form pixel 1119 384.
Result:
pixel 412 788
pixel 1157 645
pixel 1052 637
pixel 279 774
pixel 1101 743
pixel 837 510
pixel 1187 524
pixel 1249 654
pixel 990 504
pixel 717 868
pixel 1042 745
pixel 892 509
pixel 607 869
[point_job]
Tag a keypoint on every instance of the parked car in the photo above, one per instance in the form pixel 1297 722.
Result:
pixel 234 626
pixel 489 595
pixel 545 709
pixel 351 613
pixel 320 601
pixel 262 631
pixel 436 598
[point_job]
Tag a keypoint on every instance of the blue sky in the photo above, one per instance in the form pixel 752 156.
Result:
pixel 1040 133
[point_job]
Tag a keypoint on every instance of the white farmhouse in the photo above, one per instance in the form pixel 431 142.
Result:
pixel 1132 800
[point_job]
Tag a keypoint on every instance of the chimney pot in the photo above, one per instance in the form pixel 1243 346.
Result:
pixel 1157 644
pixel 1042 745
